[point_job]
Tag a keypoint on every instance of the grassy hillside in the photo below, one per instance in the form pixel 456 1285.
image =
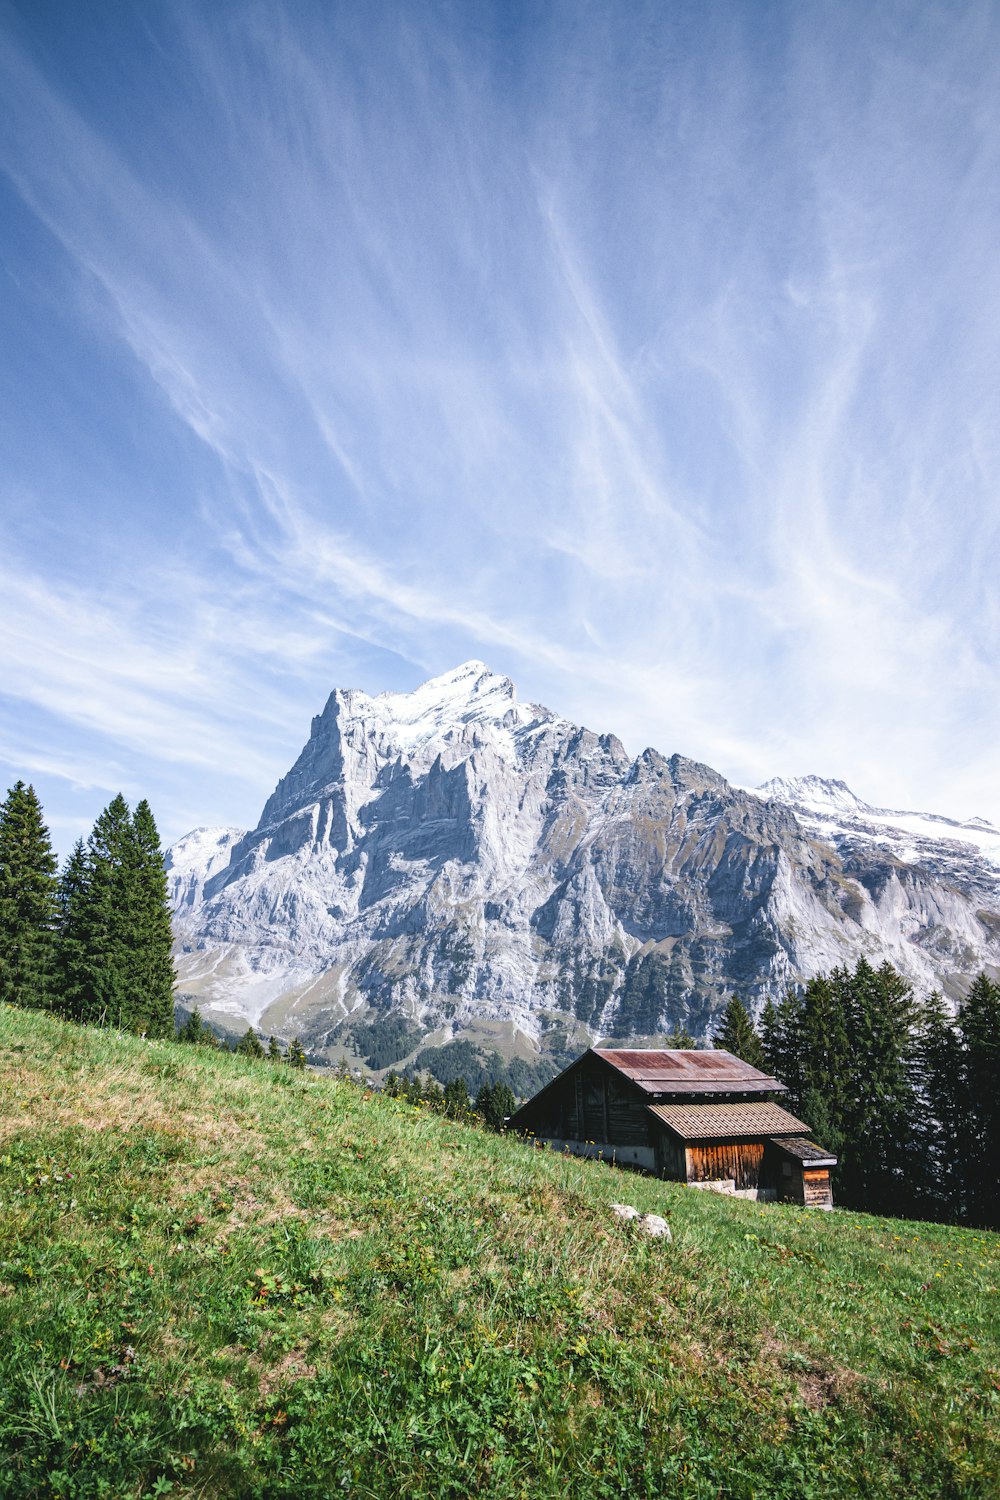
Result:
pixel 225 1278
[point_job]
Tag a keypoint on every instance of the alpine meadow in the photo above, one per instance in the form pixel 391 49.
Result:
pixel 228 1277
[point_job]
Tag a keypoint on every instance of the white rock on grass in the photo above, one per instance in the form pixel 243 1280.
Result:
pixel 648 1223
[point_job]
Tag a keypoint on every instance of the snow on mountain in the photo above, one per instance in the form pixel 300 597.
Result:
pixel 193 860
pixel 483 867
pixel 815 792
pixel 833 809
pixel 469 695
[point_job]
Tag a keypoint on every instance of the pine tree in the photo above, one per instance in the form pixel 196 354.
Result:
pixel 104 922
pixel 504 1105
pixel 296 1056
pixel 249 1045
pixel 414 1089
pixel 738 1036
pixel 28 890
pixel 939 1138
pixel 190 1032
pixel 151 975
pixel 71 936
pixel 771 1039
pixel 979 1025
pixel 495 1102
pixel 879 1106
pixel 824 1064
pixel 779 1027
pixel 274 1051
pixel 456 1099
pixel 195 1031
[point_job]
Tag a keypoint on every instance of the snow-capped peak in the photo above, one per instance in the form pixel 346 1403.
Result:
pixel 471 691
pixel 831 807
pixel 817 792
pixel 202 850
pixel 468 695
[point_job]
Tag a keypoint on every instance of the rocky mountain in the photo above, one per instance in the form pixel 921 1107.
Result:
pixel 966 855
pixel 192 861
pixel 452 862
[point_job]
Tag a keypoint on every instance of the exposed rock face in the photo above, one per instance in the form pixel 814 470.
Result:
pixel 965 855
pixel 193 860
pixel 933 882
pixel 469 860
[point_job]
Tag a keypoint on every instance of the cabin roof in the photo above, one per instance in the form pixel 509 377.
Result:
pixel 689 1072
pixel 721 1122
pixel 806 1151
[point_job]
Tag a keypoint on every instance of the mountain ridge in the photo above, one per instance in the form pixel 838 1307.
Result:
pixel 483 867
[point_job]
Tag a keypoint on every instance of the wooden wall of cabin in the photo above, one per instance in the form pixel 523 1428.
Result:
pixel 671 1158
pixel 591 1103
pixel 629 1122
pixel 816 1189
pixel 719 1161
pixel 794 1183
pixel 783 1174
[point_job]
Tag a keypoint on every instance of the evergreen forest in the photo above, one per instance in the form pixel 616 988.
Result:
pixel 906 1096
pixel 91 943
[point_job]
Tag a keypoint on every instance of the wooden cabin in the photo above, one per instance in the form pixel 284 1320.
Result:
pixel 702 1117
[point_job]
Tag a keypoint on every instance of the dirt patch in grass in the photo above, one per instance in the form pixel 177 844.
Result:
pixel 340 1320
pixel 342 1231
pixel 101 1377
pixel 231 1353
pixel 245 1208
pixel 288 1370
pixel 819 1386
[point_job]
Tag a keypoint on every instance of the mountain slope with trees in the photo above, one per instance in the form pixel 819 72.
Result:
pixel 904 1094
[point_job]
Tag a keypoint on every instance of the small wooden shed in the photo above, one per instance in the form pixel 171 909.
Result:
pixel 702 1117
pixel 800 1171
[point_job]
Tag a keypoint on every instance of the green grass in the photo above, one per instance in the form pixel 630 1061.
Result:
pixel 221 1278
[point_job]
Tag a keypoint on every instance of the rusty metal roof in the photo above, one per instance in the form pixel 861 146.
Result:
pixel 689 1072
pixel 728 1122
pixel 806 1151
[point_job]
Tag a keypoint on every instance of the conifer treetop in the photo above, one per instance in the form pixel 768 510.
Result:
pixel 28 905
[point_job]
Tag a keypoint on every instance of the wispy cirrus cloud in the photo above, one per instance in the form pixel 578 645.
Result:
pixel 651 362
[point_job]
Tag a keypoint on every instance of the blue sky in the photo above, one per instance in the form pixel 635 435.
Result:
pixel 649 353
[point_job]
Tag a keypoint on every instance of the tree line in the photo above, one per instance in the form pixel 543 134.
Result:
pixel 904 1094
pixel 494 1102
pixel 92 943
pixel 251 1044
